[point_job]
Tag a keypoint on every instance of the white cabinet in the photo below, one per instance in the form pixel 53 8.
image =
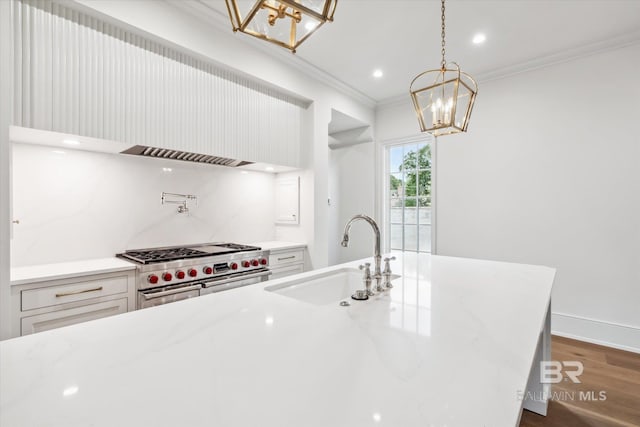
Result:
pixel 80 75
pixel 71 316
pixel 288 200
pixel 52 304
pixel 286 262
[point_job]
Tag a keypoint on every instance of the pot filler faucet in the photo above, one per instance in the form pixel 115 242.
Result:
pixel 377 274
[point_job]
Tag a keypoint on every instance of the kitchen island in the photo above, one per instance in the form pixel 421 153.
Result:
pixel 452 344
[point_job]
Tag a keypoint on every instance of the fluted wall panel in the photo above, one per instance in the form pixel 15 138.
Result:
pixel 80 75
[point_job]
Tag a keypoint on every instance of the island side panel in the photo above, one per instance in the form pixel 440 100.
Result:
pixel 536 397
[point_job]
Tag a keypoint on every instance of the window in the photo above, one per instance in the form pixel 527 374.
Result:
pixel 409 196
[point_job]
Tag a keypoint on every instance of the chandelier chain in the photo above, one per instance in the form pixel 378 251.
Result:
pixel 443 63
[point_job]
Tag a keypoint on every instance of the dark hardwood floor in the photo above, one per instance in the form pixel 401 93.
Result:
pixel 615 372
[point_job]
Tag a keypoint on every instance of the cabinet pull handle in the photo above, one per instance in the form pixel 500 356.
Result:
pixel 66 294
pixel 287 257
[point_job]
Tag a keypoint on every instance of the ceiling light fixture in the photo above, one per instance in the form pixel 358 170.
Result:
pixel 479 38
pixel 377 74
pixel 444 97
pixel 286 23
pixel 71 142
pixel 269 169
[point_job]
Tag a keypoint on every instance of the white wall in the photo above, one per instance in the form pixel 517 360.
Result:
pixel 6 114
pixel 548 174
pixel 333 207
pixel 81 205
pixel 353 178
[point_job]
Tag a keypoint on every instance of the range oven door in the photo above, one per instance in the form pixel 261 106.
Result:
pixel 234 281
pixel 167 294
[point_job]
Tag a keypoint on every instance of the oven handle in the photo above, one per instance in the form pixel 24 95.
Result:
pixel 236 278
pixel 170 292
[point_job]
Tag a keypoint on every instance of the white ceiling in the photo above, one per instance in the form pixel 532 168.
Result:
pixel 402 37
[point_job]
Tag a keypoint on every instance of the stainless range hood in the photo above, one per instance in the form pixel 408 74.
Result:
pixel 165 153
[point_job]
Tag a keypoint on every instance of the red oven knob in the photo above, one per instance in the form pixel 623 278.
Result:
pixel 263 261
pixel 180 274
pixel 153 279
pixel 255 262
pixel 207 270
pixel 193 272
pixel 234 265
pixel 246 264
pixel 167 277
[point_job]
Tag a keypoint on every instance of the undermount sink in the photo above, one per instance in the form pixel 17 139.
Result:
pixel 323 288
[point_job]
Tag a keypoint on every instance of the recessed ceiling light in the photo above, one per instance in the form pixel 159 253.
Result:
pixel 71 142
pixel 378 73
pixel 310 25
pixel 57 152
pixel 479 38
pixel 269 169
pixel 244 172
pixel 166 169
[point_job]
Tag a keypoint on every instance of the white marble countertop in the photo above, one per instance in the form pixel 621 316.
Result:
pixel 63 270
pixel 279 245
pixel 450 345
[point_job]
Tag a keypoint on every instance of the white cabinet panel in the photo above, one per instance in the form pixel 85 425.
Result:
pixel 278 273
pixel 54 295
pixel 58 319
pixel 80 75
pixel 49 304
pixel 277 259
pixel 286 262
pixel 288 200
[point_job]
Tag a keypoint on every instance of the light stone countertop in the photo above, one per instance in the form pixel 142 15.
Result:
pixel 451 345
pixel 64 270
pixel 274 245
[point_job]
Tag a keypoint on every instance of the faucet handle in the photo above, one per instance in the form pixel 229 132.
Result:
pixel 367 277
pixel 367 268
pixel 387 272
pixel 387 267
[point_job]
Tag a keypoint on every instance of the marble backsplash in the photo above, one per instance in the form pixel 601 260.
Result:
pixel 74 205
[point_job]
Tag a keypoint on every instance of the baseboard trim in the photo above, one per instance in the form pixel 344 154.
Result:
pixel 609 334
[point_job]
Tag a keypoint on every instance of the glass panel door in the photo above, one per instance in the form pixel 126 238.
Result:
pixel 408 200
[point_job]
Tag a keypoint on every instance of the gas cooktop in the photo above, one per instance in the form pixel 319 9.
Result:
pixel 173 253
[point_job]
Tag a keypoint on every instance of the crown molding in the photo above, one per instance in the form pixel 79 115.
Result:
pixel 221 22
pixel 537 63
pixel 394 101
pixel 566 55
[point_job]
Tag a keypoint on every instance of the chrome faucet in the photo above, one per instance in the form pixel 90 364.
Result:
pixel 377 274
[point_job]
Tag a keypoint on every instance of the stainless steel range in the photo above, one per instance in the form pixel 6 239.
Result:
pixel 175 273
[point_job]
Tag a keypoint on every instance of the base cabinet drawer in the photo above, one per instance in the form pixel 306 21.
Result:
pixel 71 316
pixel 72 292
pixel 283 258
pixel 277 273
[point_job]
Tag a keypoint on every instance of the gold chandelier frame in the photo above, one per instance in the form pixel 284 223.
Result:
pixel 280 9
pixel 445 127
pixel 444 98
